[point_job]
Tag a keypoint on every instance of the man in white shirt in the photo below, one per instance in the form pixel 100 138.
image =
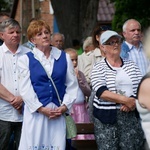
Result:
pixel 132 47
pixel 10 101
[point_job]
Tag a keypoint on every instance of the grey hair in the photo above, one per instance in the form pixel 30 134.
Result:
pixel 63 37
pixel 9 23
pixel 126 22
pixel 87 42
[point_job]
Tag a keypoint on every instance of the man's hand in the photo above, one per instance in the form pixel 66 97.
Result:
pixel 17 102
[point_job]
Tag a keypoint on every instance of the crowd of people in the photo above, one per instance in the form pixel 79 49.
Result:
pixel 108 81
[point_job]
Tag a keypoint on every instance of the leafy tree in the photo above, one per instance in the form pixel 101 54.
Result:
pixel 126 9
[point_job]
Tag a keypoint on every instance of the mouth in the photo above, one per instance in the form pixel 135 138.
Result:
pixel 137 37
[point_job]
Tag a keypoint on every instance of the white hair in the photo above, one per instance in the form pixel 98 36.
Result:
pixel 126 22
pixel 57 33
pixel 87 42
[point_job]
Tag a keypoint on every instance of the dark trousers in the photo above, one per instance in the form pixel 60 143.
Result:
pixel 7 130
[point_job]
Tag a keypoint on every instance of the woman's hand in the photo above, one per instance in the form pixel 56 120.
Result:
pixel 124 108
pixel 130 103
pixel 53 113
pixel 45 111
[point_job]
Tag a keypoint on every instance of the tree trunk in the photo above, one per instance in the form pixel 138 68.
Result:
pixel 75 18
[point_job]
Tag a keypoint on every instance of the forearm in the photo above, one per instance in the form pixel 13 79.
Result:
pixel 117 98
pixel 113 97
pixel 5 94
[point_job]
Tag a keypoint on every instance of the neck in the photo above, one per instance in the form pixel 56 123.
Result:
pixel 12 48
pixel 136 43
pixel 115 62
pixel 46 51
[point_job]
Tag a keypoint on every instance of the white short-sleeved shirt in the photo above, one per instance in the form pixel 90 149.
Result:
pixel 9 79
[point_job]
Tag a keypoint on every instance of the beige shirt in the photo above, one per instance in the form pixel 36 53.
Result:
pixel 87 60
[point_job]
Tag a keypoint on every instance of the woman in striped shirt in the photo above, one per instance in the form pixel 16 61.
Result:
pixel 115 82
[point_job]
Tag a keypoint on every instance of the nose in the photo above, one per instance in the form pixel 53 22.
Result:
pixel 44 34
pixel 16 33
pixel 137 31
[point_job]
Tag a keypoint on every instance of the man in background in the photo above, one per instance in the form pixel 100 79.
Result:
pixel 3 16
pixel 57 40
pixel 132 47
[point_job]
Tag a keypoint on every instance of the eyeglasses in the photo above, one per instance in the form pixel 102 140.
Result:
pixel 105 28
pixel 112 43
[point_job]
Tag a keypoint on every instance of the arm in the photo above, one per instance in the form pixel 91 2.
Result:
pixel 117 98
pixel 71 85
pixel 144 94
pixel 83 84
pixel 15 101
pixel 99 85
pixel 5 94
pixel 25 87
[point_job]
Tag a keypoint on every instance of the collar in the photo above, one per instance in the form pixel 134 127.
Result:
pixel 30 44
pixel 110 66
pixel 55 53
pixel 6 49
pixel 132 46
pixel 88 53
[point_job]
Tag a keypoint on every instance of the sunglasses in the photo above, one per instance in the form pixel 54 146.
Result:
pixel 113 43
pixel 104 28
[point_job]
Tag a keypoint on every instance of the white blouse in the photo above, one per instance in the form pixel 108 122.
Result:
pixel 25 88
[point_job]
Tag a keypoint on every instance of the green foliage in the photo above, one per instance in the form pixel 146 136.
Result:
pixel 127 9
pixel 4 6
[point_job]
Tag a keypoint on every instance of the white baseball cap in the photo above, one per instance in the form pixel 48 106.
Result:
pixel 105 36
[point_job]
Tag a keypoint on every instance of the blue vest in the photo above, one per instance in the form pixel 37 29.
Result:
pixel 42 84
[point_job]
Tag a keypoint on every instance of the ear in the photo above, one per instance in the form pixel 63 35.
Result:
pixel 32 40
pixel 101 47
pixel 124 33
pixel 97 38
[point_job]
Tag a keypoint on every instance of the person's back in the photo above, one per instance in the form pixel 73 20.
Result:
pixel 132 47
pixel 29 45
pixel 87 58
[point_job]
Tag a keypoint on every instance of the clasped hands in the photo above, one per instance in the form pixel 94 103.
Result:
pixel 53 113
pixel 129 104
pixel 16 102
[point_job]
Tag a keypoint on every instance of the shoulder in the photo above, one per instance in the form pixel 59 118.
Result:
pixel 100 63
pixel 124 46
pixel 129 63
pixel 97 52
pixel 100 66
pixel 24 49
pixel 55 49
